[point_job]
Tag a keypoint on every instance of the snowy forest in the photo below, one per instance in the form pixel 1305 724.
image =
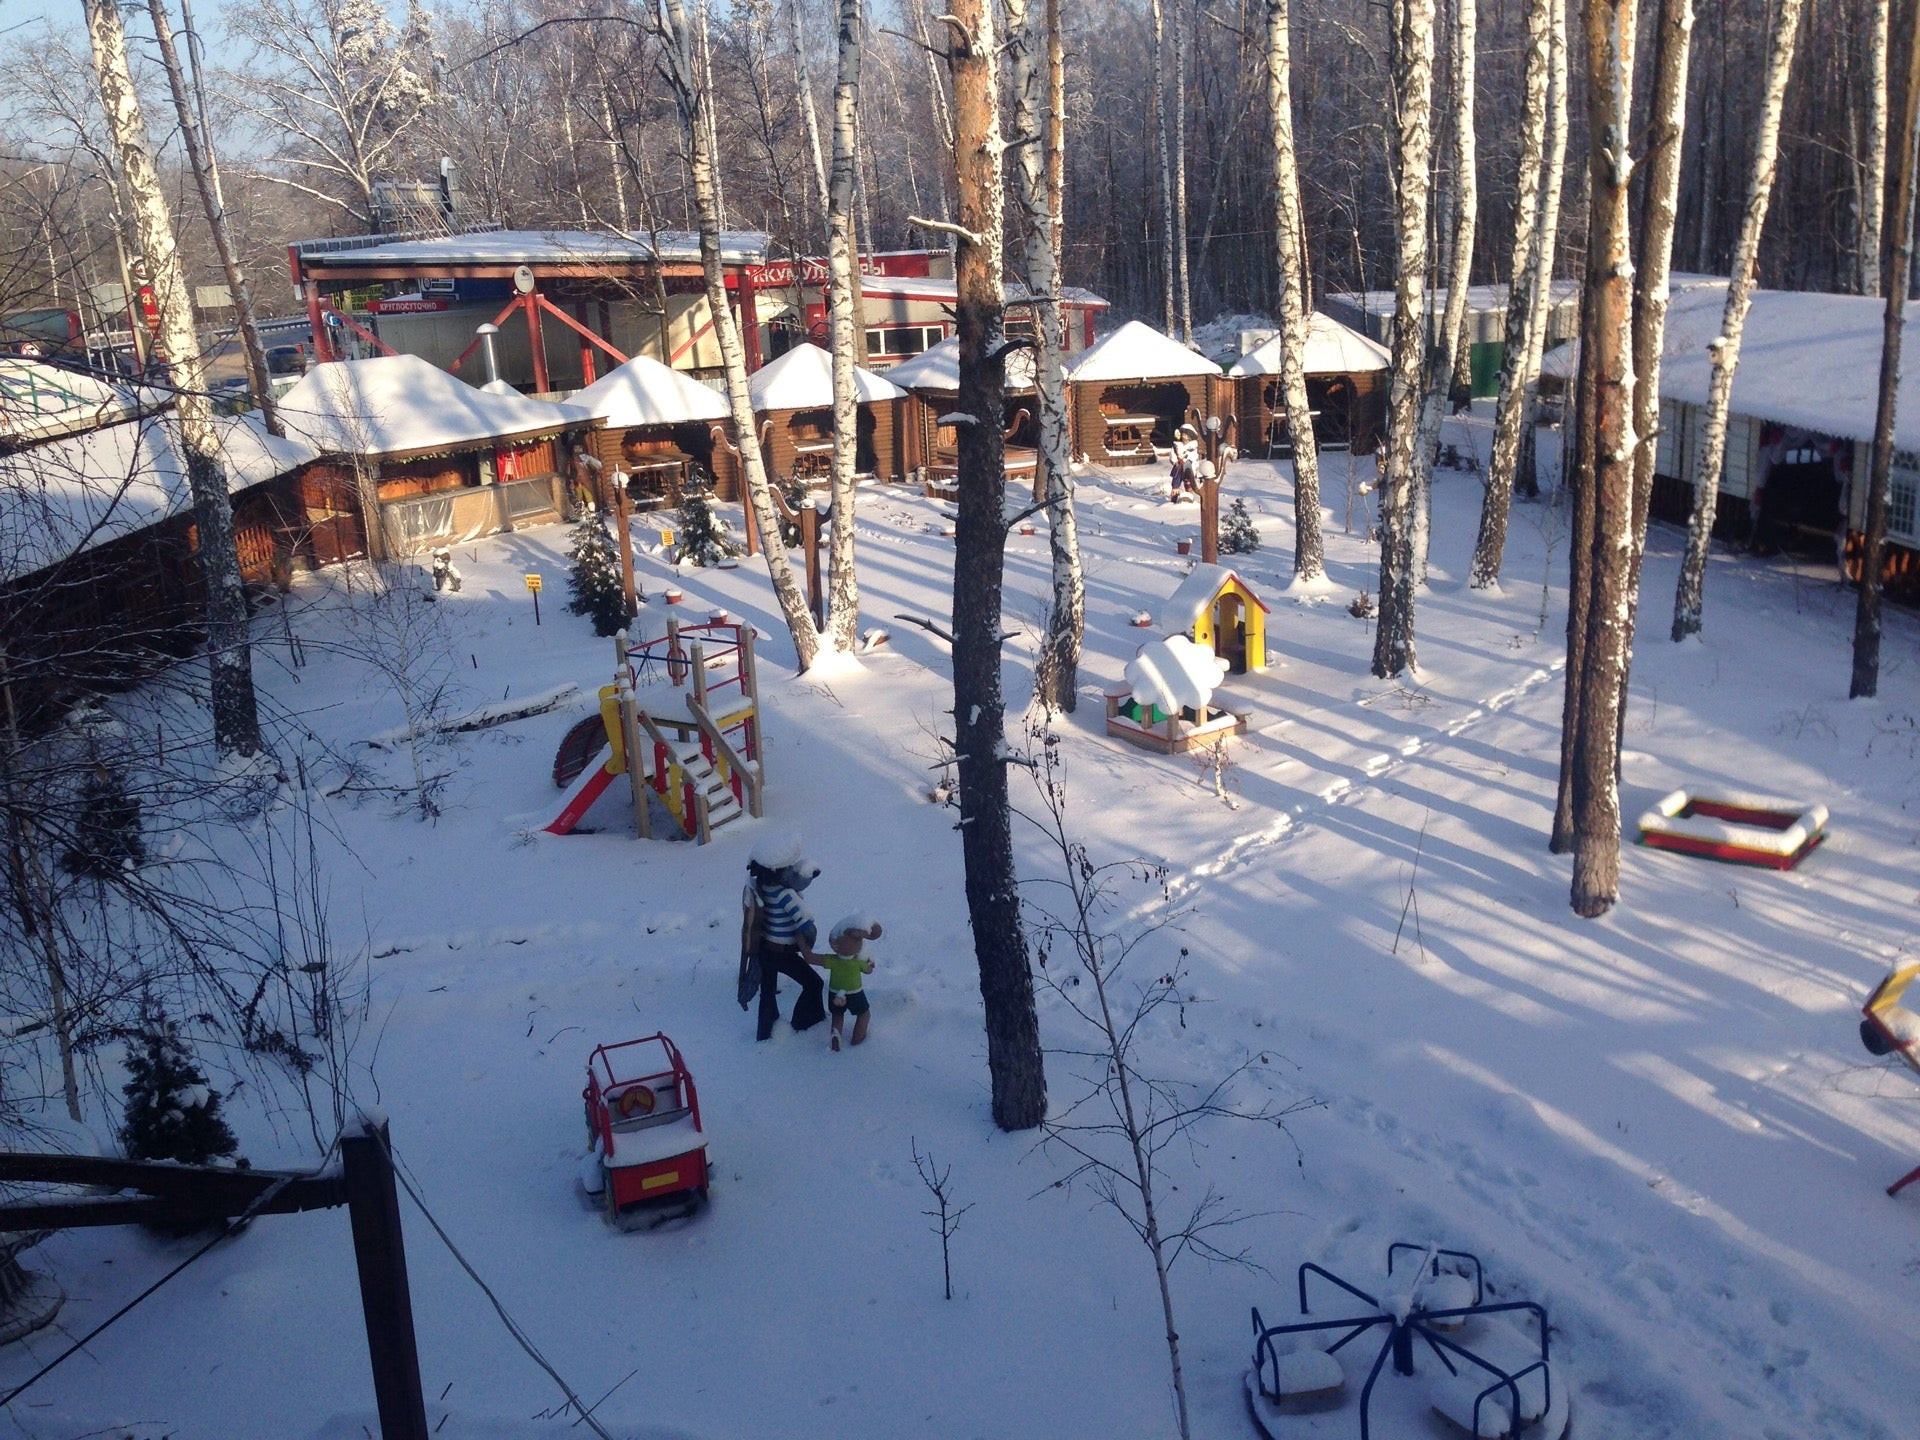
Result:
pixel 1457 866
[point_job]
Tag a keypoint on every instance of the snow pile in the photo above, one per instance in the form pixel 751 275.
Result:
pixel 1175 674
pixel 802 379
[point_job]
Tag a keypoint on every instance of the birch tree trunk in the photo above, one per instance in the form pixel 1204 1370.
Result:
pixel 1725 349
pixel 1167 281
pixel 1393 647
pixel 200 160
pixel 1897 282
pixel 1484 573
pixel 1453 321
pixel 616 164
pixel 236 720
pixel 1057 141
pixel 937 93
pixel 1596 811
pixel 843 585
pixel 1014 1059
pixel 710 113
pixel 1182 281
pixel 1029 42
pixel 1309 551
pixel 1652 274
pixel 1580 525
pixel 803 88
pixel 682 72
pixel 1873 180
pixel 1546 244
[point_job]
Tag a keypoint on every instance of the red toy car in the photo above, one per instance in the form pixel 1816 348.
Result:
pixel 644 1129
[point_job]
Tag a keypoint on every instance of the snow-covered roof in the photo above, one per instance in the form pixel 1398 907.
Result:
pixel 1808 360
pixel 1332 349
pixel 1137 351
pixel 802 379
pixel 1481 299
pixel 645 392
pixel 1562 362
pixel 396 405
pixel 1174 673
pixel 1188 603
pixel 81 491
pixel 937 368
pixel 537 247
pixel 38 400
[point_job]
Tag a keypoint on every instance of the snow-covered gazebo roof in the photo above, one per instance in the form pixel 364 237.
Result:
pixel 1174 674
pixel 399 405
pixel 938 369
pixel 1137 351
pixel 82 491
pixel 802 379
pixel 645 392
pixel 1332 349
pixel 1196 593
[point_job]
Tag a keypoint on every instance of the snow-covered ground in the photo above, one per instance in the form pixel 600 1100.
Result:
pixel 1660 1124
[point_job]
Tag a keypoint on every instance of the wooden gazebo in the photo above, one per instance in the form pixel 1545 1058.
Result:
pixel 656 429
pixel 793 407
pixel 1132 390
pixel 932 382
pixel 1346 391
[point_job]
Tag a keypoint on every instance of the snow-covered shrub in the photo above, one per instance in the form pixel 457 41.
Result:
pixel 106 831
pixel 595 580
pixel 171 1112
pixel 1237 533
pixel 703 534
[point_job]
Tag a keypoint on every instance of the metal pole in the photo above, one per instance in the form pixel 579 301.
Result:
pixel 373 1205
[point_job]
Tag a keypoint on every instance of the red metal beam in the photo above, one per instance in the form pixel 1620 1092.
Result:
pixel 474 344
pixel 585 333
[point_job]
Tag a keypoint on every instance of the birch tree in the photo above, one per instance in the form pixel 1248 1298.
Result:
pixel 1484 573
pixel 1873 173
pixel 1165 157
pixel 206 179
pixel 1610 27
pixel 1309 553
pixel 1393 647
pixel 1453 321
pixel 1030 41
pixel 1897 282
pixel 1724 351
pixel 236 721
pixel 680 68
pixel 1014 1059
pixel 1182 281
pixel 803 88
pixel 1546 244
pixel 843 586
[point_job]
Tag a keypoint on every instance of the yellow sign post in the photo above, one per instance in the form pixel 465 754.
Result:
pixel 533 589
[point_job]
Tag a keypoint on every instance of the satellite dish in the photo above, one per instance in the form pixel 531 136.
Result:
pixel 523 280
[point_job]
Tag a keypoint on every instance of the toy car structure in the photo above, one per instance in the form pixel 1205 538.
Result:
pixel 1462 1365
pixel 648 1147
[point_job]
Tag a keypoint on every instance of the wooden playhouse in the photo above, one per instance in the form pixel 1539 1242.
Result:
pixel 932 382
pixel 1219 612
pixel 1346 390
pixel 1132 390
pixel 657 429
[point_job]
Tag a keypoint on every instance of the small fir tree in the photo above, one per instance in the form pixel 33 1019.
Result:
pixel 1237 533
pixel 703 537
pixel 171 1113
pixel 595 581
pixel 106 835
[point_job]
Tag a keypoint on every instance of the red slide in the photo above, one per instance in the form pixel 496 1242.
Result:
pixel 591 785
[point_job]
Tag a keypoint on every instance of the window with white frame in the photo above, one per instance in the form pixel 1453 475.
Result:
pixel 1904 498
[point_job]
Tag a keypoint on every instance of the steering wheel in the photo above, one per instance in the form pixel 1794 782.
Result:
pixel 635 1098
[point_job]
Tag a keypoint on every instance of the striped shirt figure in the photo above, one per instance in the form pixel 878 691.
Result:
pixel 784 920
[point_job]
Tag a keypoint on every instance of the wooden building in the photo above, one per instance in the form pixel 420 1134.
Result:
pixel 1371 313
pixel 1132 390
pixel 656 430
pixel 99 572
pixel 1347 376
pixel 793 406
pixel 444 462
pixel 932 382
